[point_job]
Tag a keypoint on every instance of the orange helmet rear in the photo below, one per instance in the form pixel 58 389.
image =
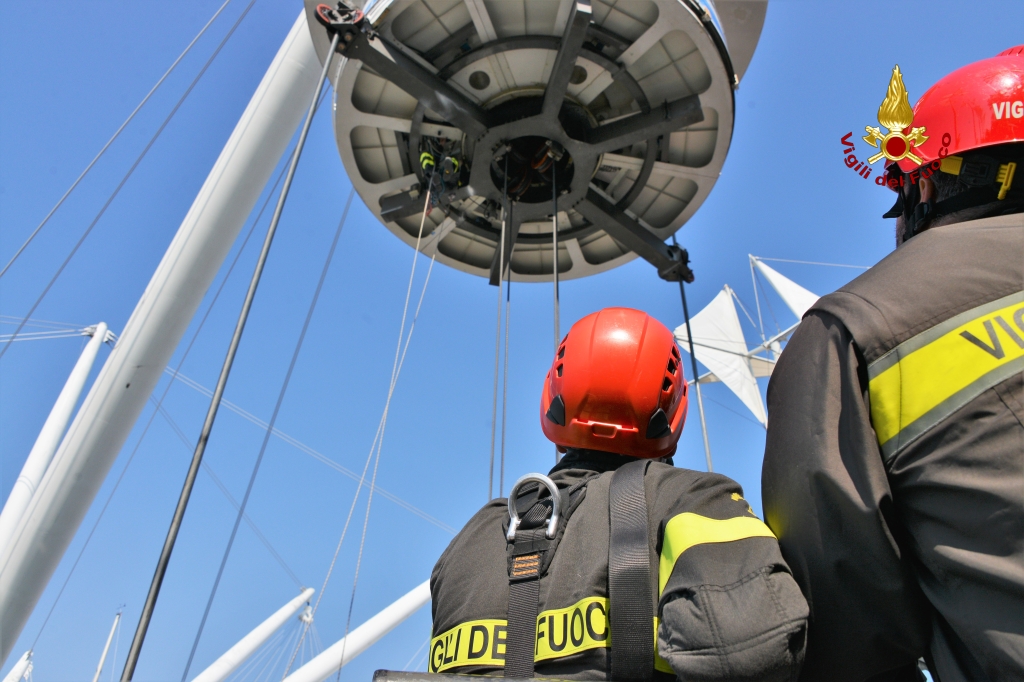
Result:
pixel 617 385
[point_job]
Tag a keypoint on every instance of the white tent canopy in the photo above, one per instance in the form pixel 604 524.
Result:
pixel 798 299
pixel 720 346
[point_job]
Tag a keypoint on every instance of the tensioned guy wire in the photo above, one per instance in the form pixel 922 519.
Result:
pixel 379 435
pixel 204 436
pixel 270 426
pixel 127 175
pixel 113 137
pixel 160 402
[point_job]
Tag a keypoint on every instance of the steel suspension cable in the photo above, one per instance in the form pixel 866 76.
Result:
pixel 497 332
pixel 204 436
pixel 116 134
pixel 160 402
pixel 231 498
pixel 127 175
pixel 270 428
pixel 504 374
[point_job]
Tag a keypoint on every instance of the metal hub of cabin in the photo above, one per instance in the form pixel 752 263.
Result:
pixel 621 111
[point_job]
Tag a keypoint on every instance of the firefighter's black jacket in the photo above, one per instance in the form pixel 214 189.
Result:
pixel 894 464
pixel 727 605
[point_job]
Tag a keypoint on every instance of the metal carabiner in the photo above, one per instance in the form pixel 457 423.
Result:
pixel 513 515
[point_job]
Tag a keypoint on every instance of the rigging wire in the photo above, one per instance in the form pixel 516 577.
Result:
pixel 131 170
pixel 379 435
pixel 152 416
pixel 811 262
pixel 302 447
pixel 416 655
pixel 236 337
pixel 230 498
pixel 771 311
pixel 45 324
pixel 116 134
pixel 284 384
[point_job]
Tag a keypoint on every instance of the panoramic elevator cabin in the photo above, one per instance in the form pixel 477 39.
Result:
pixel 625 106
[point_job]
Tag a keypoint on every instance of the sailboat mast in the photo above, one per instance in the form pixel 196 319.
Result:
pixel 106 647
pixel 48 441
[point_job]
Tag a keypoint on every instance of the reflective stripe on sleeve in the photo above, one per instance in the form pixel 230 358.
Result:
pixel 688 529
pixel 919 383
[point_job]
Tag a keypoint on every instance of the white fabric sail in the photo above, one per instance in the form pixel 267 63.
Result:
pixel 795 296
pixel 720 346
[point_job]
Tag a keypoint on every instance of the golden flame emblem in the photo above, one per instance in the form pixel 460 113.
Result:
pixel 896 116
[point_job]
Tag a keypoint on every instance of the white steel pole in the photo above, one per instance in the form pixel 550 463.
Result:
pixel 106 648
pixel 362 638
pixel 49 438
pixel 21 669
pixel 160 318
pixel 236 655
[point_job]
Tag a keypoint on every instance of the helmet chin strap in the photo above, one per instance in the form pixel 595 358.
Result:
pixel 982 174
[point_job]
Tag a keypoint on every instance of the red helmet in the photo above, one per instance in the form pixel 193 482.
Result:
pixel 978 105
pixel 616 385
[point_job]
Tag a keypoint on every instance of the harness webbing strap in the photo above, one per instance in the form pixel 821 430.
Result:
pixel 631 609
pixel 523 599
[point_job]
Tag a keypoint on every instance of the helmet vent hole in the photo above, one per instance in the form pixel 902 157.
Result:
pixel 675 351
pixel 671 366
pixel 561 353
pixel 558 370
pixel 666 384
pixel 685 386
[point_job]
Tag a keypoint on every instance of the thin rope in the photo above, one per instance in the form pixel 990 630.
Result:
pixel 230 498
pixel 127 175
pixel 749 419
pixel 273 417
pixel 415 655
pixel 41 336
pixel 504 380
pixel 811 262
pixel 378 437
pixel 152 416
pixel 497 334
pixel 302 447
pixel 116 134
pixel 387 406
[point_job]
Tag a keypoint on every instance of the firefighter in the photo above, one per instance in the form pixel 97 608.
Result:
pixel 617 565
pixel 894 463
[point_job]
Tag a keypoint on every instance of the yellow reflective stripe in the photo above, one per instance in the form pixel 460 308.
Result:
pixel 582 626
pixel 688 529
pixel 660 663
pixel 928 377
pixel 560 632
pixel 477 642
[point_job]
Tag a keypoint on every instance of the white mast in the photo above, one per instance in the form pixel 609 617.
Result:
pixel 21 669
pixel 236 655
pixel 106 648
pixel 155 328
pixel 49 438
pixel 362 638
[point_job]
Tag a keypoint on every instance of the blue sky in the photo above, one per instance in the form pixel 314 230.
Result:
pixel 68 80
